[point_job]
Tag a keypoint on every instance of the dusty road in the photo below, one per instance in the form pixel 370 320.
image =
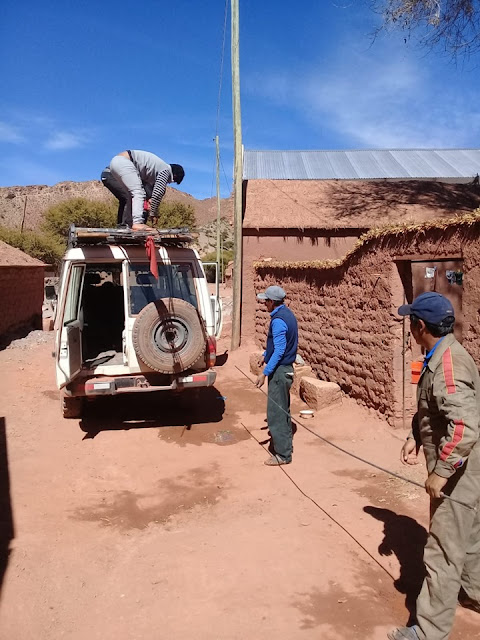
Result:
pixel 150 521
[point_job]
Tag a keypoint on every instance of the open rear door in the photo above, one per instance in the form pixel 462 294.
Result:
pixel 69 351
pixel 213 278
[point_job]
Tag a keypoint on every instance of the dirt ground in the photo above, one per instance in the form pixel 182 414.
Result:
pixel 154 517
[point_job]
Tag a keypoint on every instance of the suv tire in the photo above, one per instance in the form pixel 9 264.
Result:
pixel 168 335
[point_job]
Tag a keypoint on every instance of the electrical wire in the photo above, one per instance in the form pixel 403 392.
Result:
pixel 221 66
pixel 323 510
pixel 353 455
pixel 226 179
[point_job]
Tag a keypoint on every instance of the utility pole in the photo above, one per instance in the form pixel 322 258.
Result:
pixel 237 179
pixel 219 248
pixel 24 213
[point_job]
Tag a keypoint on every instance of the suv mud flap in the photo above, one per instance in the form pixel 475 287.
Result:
pixel 138 384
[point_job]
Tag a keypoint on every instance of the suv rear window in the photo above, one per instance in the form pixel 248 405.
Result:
pixel 174 281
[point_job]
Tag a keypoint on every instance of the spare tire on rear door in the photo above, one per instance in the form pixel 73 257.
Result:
pixel 168 335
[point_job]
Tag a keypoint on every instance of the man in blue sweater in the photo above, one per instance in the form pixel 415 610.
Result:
pixel 279 356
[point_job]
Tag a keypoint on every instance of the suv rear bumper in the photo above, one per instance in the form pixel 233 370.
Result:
pixel 109 386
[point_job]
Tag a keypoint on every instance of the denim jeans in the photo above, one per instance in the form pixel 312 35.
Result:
pixel 278 410
pixel 124 215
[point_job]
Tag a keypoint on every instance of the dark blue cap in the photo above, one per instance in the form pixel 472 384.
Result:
pixel 431 307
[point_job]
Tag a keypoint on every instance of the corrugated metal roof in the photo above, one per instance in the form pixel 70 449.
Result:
pixel 366 164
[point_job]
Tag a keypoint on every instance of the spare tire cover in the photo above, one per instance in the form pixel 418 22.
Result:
pixel 168 335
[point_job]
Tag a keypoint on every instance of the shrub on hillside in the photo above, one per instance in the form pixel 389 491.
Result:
pixel 176 214
pixel 80 212
pixel 49 249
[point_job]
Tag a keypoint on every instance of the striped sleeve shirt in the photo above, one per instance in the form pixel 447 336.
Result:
pixel 159 189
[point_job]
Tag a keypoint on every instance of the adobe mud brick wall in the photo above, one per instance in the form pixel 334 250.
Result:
pixel 21 298
pixel 349 331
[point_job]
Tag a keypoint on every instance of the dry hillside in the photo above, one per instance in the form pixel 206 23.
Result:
pixel 30 203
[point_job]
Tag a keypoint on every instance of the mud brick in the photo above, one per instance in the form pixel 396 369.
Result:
pixel 319 394
pixel 255 359
pixel 300 371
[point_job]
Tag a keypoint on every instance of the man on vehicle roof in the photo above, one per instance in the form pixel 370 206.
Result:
pixel 138 179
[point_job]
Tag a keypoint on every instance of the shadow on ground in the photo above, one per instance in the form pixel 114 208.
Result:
pixel 19 333
pixel 221 359
pixel 197 490
pixel 190 417
pixel 7 532
pixel 406 539
pixel 352 613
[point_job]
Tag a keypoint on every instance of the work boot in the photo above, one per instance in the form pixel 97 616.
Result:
pixel 403 633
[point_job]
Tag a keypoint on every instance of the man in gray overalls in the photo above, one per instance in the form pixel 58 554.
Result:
pixel 448 397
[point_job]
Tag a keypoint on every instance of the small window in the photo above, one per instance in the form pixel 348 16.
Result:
pixel 174 281
pixel 50 293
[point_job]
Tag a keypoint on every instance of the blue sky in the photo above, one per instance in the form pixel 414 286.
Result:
pixel 84 80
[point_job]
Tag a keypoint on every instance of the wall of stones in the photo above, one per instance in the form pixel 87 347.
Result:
pixel 349 332
pixel 21 293
pixel 286 244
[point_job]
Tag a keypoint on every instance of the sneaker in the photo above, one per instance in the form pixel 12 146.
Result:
pixel 403 633
pixel 275 461
pixel 468 603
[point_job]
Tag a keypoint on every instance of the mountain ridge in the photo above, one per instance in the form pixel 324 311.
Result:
pixel 26 205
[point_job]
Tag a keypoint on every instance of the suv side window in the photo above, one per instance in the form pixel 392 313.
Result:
pixel 72 303
pixel 174 281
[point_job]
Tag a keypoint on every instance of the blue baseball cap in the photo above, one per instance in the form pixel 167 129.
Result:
pixel 431 307
pixel 275 293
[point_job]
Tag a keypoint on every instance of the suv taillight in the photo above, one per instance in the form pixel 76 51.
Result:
pixel 211 351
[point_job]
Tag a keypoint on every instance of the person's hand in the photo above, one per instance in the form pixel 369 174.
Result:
pixel 408 454
pixel 146 205
pixel 434 485
pixel 260 380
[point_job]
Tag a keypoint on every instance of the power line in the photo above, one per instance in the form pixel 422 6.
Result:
pixel 221 67
pixel 226 179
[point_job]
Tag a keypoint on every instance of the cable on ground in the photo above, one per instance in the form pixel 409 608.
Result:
pixel 323 510
pixel 353 455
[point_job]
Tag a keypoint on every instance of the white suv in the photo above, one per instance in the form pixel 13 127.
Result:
pixel 121 329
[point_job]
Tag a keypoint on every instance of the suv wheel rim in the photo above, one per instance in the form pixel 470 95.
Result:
pixel 171 335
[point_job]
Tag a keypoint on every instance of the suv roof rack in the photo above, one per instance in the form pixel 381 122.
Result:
pixel 81 236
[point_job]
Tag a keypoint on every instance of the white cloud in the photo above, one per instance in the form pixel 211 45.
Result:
pixel 382 98
pixel 10 133
pixel 389 102
pixel 64 140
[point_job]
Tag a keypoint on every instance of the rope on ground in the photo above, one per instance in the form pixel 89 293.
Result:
pixel 353 455
pixel 323 510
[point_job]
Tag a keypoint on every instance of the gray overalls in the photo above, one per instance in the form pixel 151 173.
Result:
pixel 448 396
